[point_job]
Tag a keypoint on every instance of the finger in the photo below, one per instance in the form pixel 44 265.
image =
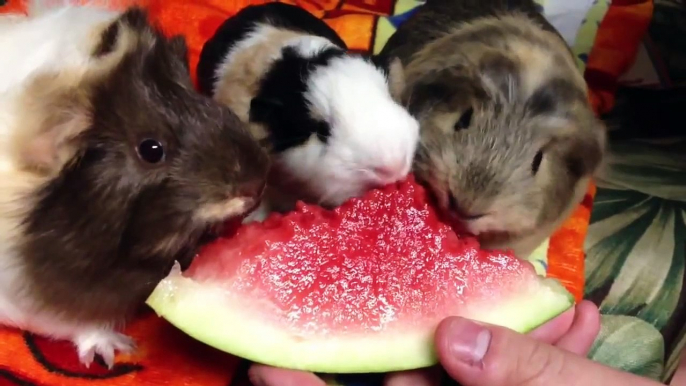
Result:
pixel 583 331
pixel 480 355
pixel 261 375
pixel 421 377
pixel 555 329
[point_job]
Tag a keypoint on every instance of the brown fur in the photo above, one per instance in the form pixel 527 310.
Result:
pixel 47 141
pixel 527 95
pixel 102 226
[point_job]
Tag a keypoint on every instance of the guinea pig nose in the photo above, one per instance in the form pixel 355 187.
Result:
pixel 252 189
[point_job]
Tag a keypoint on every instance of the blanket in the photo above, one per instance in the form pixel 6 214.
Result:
pixel 604 37
pixel 636 246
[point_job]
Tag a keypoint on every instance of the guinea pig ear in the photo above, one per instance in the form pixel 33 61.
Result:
pixel 396 79
pixel 426 93
pixel 395 73
pixel 443 86
pixel 108 40
pixel 115 41
pixel 54 114
pixel 583 143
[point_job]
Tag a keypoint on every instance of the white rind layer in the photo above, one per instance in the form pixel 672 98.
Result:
pixel 207 313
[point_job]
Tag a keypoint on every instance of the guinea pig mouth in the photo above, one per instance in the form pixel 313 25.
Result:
pixel 226 228
pixel 218 230
pixel 494 237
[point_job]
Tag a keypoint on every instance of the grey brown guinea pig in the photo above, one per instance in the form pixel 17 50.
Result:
pixel 112 168
pixel 508 140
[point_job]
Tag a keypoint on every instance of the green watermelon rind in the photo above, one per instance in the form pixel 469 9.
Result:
pixel 205 312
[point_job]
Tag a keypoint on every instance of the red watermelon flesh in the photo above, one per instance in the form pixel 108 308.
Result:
pixel 356 289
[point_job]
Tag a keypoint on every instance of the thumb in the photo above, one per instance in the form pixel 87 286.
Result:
pixel 483 355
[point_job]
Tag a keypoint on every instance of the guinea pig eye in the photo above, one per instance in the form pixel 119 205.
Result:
pixel 537 161
pixel 151 151
pixel 465 119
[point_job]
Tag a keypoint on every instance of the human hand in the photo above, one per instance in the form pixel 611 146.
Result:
pixel 480 355
pixel 574 331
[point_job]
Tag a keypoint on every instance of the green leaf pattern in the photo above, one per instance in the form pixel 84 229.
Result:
pixel 636 254
pixel 618 332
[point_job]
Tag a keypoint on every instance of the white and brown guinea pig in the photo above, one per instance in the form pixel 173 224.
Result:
pixel 508 139
pixel 112 167
pixel 326 115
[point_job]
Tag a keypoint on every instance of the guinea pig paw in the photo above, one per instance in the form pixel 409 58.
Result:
pixel 104 343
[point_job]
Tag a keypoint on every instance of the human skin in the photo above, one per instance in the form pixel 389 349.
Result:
pixel 679 378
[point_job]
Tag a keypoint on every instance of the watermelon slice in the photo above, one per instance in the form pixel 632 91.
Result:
pixel 357 289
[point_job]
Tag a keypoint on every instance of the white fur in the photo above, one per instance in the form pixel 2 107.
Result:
pixel 369 132
pixel 51 39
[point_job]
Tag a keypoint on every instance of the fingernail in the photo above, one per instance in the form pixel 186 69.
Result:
pixel 469 341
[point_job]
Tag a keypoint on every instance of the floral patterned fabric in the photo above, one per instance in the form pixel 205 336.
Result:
pixel 636 243
pixel 636 256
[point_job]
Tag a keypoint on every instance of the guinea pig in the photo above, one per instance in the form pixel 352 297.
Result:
pixel 326 116
pixel 508 139
pixel 112 167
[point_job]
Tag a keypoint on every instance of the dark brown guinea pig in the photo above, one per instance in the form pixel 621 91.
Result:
pixel 508 139
pixel 112 168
